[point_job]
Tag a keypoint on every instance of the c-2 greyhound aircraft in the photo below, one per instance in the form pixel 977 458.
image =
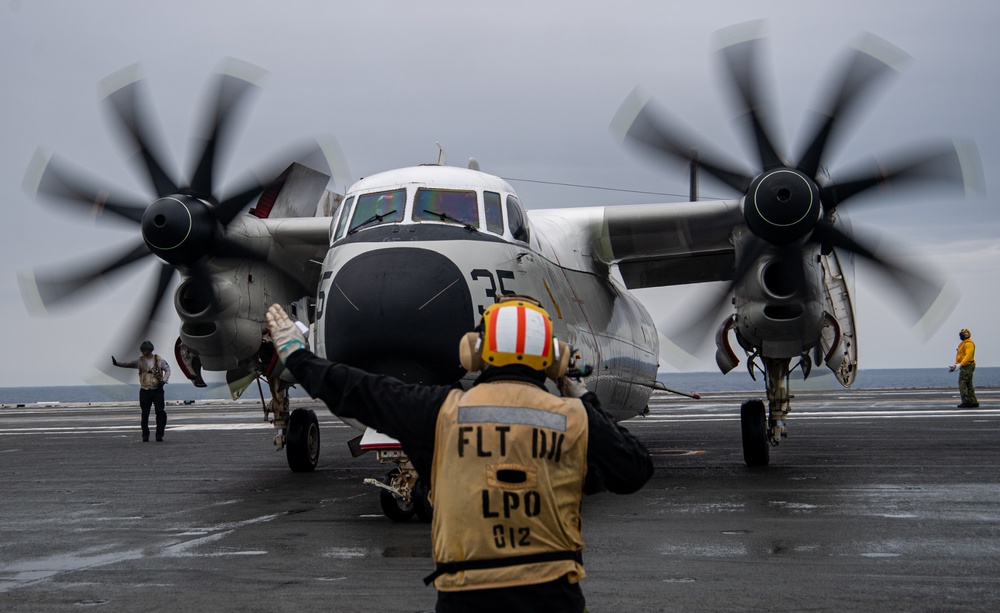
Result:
pixel 392 273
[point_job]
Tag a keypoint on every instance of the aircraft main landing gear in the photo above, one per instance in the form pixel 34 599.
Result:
pixel 763 429
pixel 302 441
pixel 756 443
pixel 297 432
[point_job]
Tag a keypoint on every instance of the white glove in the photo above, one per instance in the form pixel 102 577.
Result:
pixel 952 367
pixel 572 388
pixel 286 334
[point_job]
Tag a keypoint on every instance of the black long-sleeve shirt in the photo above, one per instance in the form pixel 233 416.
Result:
pixel 616 460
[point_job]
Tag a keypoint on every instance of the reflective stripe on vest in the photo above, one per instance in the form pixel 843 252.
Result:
pixel 509 465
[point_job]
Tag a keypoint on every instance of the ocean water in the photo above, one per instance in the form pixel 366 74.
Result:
pixel 889 378
pixel 737 380
pixel 96 394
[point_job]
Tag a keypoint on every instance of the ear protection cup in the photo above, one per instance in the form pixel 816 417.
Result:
pixel 557 370
pixel 470 352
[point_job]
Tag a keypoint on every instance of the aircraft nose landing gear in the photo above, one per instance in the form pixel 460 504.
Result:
pixel 402 493
pixel 396 495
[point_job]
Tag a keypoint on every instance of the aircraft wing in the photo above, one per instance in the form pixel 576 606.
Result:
pixel 653 245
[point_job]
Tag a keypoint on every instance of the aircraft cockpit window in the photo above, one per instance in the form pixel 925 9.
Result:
pixel 379 207
pixel 451 206
pixel 345 214
pixel 516 220
pixel 494 212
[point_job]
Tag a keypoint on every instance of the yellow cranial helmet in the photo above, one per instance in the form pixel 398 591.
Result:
pixel 515 330
pixel 964 333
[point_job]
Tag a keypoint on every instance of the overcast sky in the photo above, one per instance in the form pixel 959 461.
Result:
pixel 528 88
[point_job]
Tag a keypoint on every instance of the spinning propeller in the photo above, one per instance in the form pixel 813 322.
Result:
pixel 184 225
pixel 788 206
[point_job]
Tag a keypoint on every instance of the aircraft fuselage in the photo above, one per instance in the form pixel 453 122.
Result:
pixel 395 297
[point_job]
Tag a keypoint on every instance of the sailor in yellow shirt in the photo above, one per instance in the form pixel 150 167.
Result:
pixel 965 361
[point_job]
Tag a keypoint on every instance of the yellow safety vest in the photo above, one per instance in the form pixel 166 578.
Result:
pixel 509 465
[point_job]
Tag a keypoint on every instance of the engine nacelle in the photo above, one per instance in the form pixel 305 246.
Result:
pixel 773 314
pixel 223 313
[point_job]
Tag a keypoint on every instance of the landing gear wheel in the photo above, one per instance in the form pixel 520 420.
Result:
pixel 396 509
pixel 424 508
pixel 302 441
pixel 756 446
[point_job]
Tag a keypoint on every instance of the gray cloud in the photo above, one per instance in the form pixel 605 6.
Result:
pixel 527 88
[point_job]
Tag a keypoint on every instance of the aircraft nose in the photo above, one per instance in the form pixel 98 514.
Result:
pixel 399 312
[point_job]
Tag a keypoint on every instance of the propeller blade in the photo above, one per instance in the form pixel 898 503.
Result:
pixel 268 174
pixel 129 108
pixel 336 161
pixel 695 332
pixel 638 123
pixel 51 290
pixel 740 57
pixel 228 248
pixel 51 177
pixel 231 90
pixel 951 164
pixel 199 242
pixel 873 60
pixel 228 209
pixel 143 322
pixel 200 289
pixel 753 248
pixel 198 293
pixel 791 267
pixel 924 294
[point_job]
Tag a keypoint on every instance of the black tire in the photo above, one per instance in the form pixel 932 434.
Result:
pixel 394 508
pixel 753 421
pixel 302 441
pixel 422 503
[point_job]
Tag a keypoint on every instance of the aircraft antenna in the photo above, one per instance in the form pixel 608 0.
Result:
pixel 694 176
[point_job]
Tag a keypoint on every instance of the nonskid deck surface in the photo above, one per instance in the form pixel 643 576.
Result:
pixel 884 499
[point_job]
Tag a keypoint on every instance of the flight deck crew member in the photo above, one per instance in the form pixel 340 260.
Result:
pixel 965 361
pixel 507 461
pixel 154 372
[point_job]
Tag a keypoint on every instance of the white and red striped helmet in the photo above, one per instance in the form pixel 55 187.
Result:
pixel 517 330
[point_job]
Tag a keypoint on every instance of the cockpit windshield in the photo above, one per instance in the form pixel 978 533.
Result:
pixel 377 208
pixel 454 206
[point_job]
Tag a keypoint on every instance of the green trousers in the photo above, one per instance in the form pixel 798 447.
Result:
pixel 965 386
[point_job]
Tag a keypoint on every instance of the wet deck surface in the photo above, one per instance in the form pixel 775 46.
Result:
pixel 878 500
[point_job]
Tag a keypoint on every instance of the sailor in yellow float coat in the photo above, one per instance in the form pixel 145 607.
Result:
pixel 508 462
pixel 965 360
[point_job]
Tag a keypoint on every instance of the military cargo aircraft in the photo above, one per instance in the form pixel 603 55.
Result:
pixel 391 273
